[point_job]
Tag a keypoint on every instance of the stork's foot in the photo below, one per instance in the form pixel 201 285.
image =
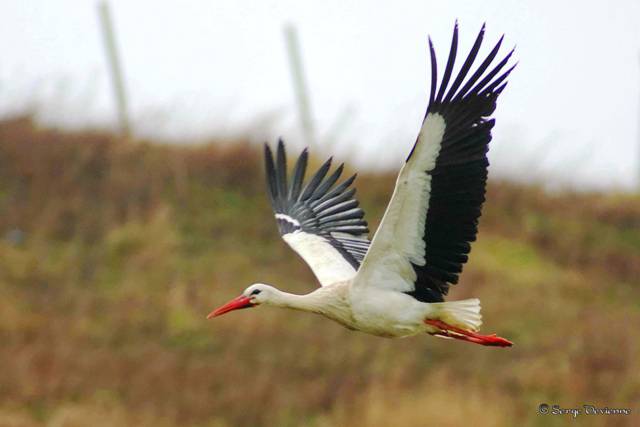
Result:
pixel 448 331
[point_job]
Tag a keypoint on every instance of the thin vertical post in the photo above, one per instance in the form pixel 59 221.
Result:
pixel 299 84
pixel 638 118
pixel 115 68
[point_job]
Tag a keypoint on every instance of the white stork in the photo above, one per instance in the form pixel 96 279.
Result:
pixel 394 285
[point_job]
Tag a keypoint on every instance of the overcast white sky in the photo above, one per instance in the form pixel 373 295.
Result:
pixel 203 67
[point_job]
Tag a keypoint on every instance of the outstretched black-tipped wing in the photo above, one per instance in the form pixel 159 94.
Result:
pixel 321 220
pixel 424 238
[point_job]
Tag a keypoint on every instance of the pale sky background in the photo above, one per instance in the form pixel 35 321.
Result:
pixel 202 68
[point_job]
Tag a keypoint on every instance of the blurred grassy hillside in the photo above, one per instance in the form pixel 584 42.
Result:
pixel 112 254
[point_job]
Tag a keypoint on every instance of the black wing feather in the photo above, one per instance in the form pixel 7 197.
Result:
pixel 321 207
pixel 298 175
pixel 459 178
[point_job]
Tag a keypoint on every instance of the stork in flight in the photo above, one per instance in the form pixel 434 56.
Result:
pixel 394 285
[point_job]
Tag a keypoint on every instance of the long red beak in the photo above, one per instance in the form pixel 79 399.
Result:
pixel 234 304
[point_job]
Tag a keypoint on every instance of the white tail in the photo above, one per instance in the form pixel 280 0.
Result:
pixel 463 314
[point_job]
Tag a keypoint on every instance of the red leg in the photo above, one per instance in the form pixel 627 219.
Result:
pixel 449 331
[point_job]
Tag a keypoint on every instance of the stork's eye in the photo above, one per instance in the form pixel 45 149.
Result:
pixel 255 292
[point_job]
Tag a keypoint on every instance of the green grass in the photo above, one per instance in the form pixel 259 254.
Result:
pixel 127 247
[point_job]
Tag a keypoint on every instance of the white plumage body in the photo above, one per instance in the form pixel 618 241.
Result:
pixel 378 312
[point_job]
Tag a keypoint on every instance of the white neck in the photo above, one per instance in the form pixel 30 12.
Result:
pixel 322 300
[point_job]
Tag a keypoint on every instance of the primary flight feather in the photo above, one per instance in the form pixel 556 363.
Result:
pixel 395 285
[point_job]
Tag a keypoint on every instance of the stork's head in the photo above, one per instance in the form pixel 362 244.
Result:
pixel 256 294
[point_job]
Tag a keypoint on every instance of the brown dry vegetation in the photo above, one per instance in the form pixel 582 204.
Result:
pixel 112 253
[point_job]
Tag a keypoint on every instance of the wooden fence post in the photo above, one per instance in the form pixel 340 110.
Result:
pixel 115 68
